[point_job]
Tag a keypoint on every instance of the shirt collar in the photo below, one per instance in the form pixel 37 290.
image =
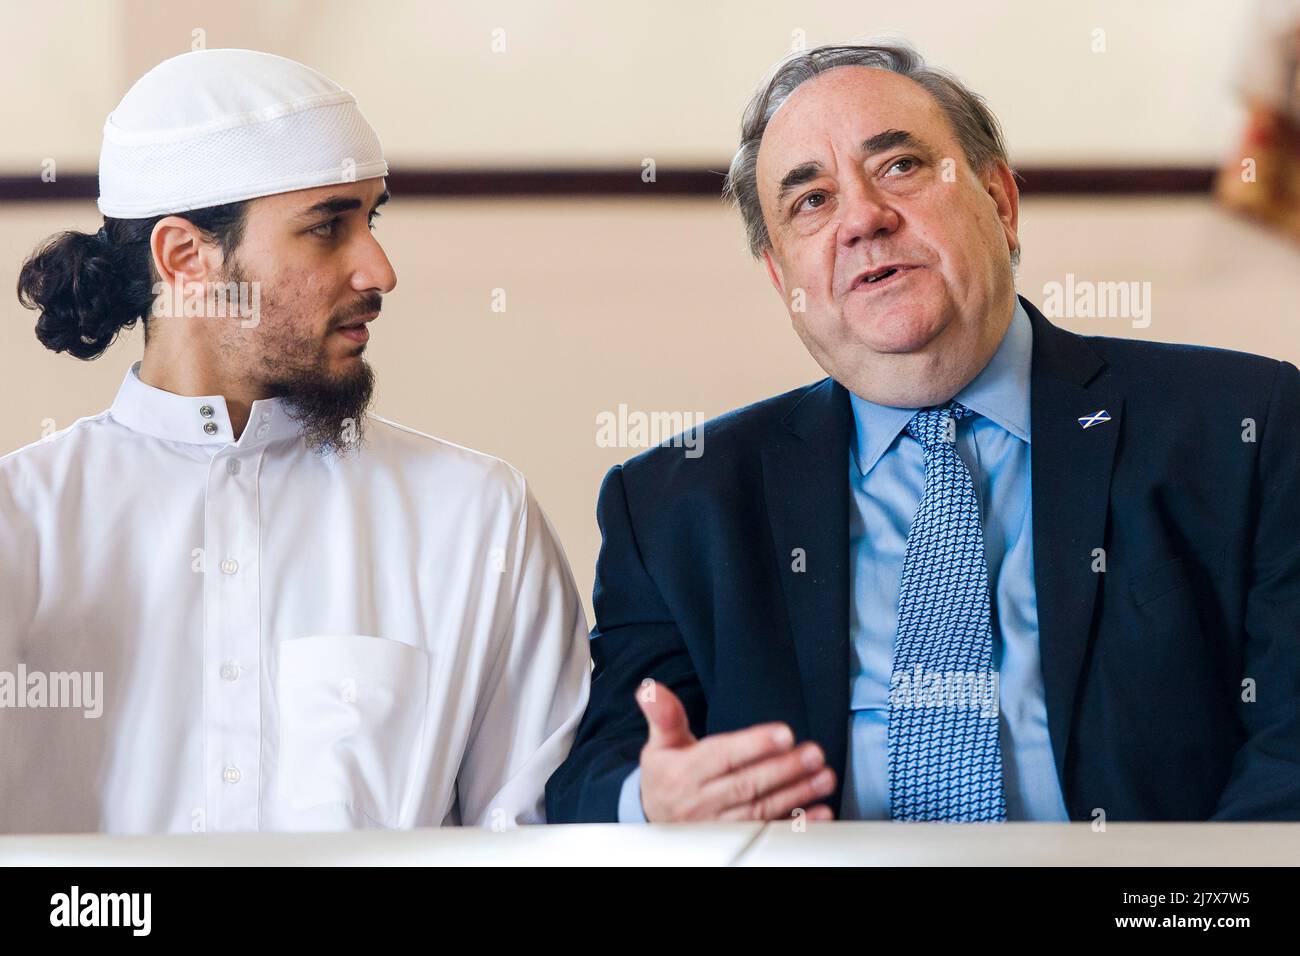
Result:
pixel 196 419
pixel 1000 392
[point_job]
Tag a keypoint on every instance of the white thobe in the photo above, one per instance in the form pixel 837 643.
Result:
pixel 285 641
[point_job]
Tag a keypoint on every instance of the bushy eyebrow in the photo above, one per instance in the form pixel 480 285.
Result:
pixel 796 177
pixel 810 170
pixel 334 205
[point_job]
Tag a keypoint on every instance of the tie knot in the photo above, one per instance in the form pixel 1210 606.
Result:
pixel 930 425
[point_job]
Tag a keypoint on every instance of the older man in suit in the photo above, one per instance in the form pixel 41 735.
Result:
pixel 988 569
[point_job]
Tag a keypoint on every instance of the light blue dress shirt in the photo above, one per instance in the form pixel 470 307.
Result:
pixel 886 478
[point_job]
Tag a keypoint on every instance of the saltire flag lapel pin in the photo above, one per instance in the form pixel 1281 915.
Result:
pixel 1096 418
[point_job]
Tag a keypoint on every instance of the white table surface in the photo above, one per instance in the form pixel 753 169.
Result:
pixel 577 845
pixel 1027 844
pixel 745 844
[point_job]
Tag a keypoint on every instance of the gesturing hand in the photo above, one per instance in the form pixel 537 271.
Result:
pixel 751 774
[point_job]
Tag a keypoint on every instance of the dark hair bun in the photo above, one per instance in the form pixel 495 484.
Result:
pixel 72 280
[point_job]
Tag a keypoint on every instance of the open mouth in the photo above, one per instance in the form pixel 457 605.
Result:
pixel 878 278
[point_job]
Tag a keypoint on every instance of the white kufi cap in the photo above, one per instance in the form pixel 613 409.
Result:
pixel 220 126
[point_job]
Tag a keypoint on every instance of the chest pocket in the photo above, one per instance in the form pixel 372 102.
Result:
pixel 352 712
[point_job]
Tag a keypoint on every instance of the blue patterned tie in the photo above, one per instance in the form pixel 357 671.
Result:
pixel 944 759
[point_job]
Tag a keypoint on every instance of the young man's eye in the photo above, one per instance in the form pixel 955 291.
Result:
pixel 373 217
pixel 327 226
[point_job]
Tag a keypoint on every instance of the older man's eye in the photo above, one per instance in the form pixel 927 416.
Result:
pixel 906 160
pixel 807 202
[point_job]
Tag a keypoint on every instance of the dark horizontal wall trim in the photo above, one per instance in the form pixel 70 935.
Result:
pixel 605 181
pixel 1115 180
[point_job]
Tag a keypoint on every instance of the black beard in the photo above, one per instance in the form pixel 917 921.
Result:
pixel 330 412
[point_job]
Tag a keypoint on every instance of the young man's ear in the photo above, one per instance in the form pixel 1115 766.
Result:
pixel 180 252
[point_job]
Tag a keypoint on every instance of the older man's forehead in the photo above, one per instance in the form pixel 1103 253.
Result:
pixel 847 102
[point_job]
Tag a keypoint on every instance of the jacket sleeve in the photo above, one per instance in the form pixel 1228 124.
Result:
pixel 635 638
pixel 1265 779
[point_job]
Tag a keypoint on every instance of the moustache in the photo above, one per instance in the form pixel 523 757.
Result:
pixel 364 307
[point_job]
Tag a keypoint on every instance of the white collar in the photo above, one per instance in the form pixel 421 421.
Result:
pixel 196 419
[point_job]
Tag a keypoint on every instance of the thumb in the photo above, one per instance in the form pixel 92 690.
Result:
pixel 665 715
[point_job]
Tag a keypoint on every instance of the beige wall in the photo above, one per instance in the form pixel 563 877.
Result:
pixel 588 81
pixel 654 304
pixel 649 302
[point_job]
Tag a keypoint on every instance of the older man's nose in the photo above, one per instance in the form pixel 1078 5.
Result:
pixel 865 214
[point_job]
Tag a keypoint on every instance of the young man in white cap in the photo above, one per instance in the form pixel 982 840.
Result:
pixel 236 600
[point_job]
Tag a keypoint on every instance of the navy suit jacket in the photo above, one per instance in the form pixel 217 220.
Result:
pixel 1172 677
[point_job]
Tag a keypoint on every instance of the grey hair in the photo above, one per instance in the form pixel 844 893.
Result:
pixel 974 124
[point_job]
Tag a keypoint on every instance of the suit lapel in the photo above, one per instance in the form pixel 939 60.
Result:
pixel 1071 470
pixel 806 485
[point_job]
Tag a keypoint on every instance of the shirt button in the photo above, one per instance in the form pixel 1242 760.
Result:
pixel 266 416
pixel 206 411
pixel 210 428
pixel 230 670
pixel 262 430
pixel 229 566
pixel 232 466
pixel 230 775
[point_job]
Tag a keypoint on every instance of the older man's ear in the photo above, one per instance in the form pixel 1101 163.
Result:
pixel 774 274
pixel 1006 197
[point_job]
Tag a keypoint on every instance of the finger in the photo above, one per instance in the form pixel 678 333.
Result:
pixel 721 754
pixel 764 777
pixel 777 805
pixel 665 716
